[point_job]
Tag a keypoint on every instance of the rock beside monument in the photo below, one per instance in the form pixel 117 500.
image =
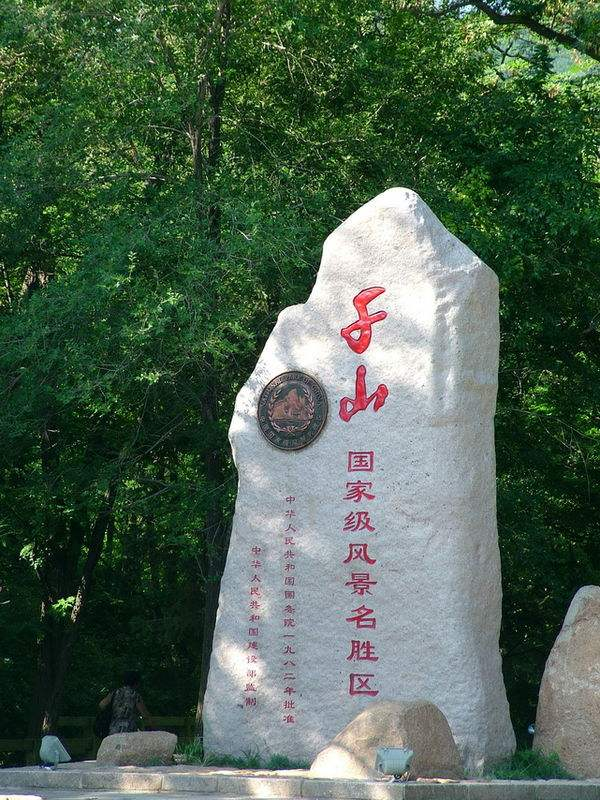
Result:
pixel 418 725
pixel 139 749
pixel 568 713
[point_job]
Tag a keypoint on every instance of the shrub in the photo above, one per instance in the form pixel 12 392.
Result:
pixel 193 753
pixel 530 765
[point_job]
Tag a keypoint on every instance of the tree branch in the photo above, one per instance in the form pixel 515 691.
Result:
pixel 7 286
pixel 448 9
pixel 566 39
pixel 95 545
pixel 522 20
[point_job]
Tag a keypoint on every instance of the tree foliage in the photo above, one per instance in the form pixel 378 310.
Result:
pixel 169 172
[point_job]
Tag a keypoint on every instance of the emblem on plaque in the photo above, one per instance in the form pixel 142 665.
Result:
pixel 292 410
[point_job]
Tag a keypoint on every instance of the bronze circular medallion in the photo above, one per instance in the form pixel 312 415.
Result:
pixel 292 410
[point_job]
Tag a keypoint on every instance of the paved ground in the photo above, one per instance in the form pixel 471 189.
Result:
pixel 66 794
pixel 69 794
pixel 87 781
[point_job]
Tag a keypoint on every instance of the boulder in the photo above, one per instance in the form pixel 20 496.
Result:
pixel 568 713
pixel 139 749
pixel 418 725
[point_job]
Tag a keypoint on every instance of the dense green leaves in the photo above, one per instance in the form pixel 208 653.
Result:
pixel 168 174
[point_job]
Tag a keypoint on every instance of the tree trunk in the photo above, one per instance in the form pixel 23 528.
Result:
pixel 60 635
pixel 34 279
pixel 213 571
pixel 216 540
pixel 206 147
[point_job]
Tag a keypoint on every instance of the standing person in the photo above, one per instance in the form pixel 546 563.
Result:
pixel 126 705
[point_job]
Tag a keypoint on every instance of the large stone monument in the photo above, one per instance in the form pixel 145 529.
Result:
pixel 363 562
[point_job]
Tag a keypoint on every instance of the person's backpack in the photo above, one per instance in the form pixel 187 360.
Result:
pixel 103 718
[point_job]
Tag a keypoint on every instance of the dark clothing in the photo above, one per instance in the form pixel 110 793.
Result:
pixel 125 715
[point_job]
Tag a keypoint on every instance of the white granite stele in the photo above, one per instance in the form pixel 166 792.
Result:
pixel 434 611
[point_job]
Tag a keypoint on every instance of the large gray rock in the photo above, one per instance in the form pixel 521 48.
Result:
pixel 139 749
pixel 393 551
pixel 418 725
pixel 568 713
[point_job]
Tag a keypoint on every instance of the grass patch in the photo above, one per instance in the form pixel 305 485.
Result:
pixel 190 752
pixel 277 761
pixel 193 753
pixel 250 759
pixel 528 765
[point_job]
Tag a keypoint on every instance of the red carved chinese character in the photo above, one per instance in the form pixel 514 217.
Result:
pixel 360 582
pixel 250 687
pixel 288 649
pixel 289 623
pixel 252 631
pixel 289 609
pixel 289 718
pixel 249 701
pixel 251 659
pixel 289 566
pixel 255 579
pixel 289 704
pixel 359 552
pixel 362 651
pixel 359 521
pixel 251 673
pixel 291 528
pixel 254 618
pixel 251 645
pixel 290 499
pixel 289 554
pixel 289 581
pixel 362 618
pixel 256 551
pixel 359 684
pixel 289 595
pixel 349 406
pixel 289 541
pixel 290 512
pixel 357 491
pixel 363 324
pixel 289 663
pixel 254 604
pixel 255 590
pixel 289 690
pixel 256 564
pixel 289 676
pixel 360 461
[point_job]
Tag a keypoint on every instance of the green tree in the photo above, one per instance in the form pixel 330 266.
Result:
pixel 169 173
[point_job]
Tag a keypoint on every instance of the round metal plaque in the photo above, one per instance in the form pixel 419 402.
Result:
pixel 292 410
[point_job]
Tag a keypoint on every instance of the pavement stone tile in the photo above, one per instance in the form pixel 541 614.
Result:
pixel 422 790
pixel 184 782
pixel 37 778
pixel 263 787
pixel 58 780
pixel 123 781
pixel 12 779
pixel 356 790
pixel 501 790
pixel 566 790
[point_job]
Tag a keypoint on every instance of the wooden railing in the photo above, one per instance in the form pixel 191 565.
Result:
pixel 77 735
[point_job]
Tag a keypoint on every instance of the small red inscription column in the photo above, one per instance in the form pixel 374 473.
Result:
pixel 254 608
pixel 291 531
pixel 361 491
